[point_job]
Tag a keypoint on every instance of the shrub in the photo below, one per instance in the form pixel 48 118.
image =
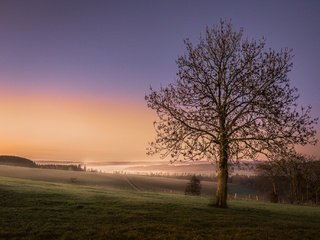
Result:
pixel 193 187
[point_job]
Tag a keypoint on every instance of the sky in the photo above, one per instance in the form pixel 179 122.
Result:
pixel 73 74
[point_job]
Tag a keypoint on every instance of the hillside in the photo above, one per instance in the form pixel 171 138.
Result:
pixel 24 162
pixel 119 181
pixel 16 161
pixel 44 210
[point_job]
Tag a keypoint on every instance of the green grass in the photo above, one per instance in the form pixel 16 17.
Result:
pixel 32 209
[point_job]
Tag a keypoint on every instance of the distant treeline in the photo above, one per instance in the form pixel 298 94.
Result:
pixel 24 162
pixel 291 179
pixel 69 167
pixel 183 175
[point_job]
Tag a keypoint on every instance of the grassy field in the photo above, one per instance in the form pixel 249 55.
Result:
pixel 34 209
pixel 133 182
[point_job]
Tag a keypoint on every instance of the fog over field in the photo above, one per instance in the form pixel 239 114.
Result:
pixel 199 168
pixel 165 120
pixel 107 180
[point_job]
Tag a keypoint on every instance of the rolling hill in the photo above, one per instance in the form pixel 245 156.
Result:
pixel 33 209
pixel 16 161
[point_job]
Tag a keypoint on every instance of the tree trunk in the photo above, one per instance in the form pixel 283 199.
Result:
pixel 222 188
pixel 274 197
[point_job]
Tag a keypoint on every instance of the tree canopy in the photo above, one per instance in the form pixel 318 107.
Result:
pixel 232 99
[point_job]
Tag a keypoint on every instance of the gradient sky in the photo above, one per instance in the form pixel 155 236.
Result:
pixel 73 74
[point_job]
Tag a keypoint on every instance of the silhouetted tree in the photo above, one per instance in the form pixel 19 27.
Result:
pixel 313 180
pixel 232 100
pixel 294 167
pixel 302 173
pixel 272 171
pixel 193 187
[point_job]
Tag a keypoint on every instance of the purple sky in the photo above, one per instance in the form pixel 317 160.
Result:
pixel 119 48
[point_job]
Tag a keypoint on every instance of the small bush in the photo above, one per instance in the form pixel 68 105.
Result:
pixel 73 180
pixel 193 187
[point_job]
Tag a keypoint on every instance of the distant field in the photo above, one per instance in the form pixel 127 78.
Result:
pixel 34 209
pixel 134 182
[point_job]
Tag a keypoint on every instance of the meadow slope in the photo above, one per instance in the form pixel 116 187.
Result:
pixel 34 209
pixel 119 181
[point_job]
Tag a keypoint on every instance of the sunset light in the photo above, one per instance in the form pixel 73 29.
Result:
pixel 159 119
pixel 54 127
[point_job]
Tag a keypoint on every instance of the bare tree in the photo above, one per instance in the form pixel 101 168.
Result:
pixel 290 165
pixel 303 174
pixel 272 171
pixel 300 173
pixel 232 100
pixel 313 180
pixel 293 166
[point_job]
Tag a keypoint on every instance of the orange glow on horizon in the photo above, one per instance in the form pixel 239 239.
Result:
pixel 48 127
pixel 56 127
